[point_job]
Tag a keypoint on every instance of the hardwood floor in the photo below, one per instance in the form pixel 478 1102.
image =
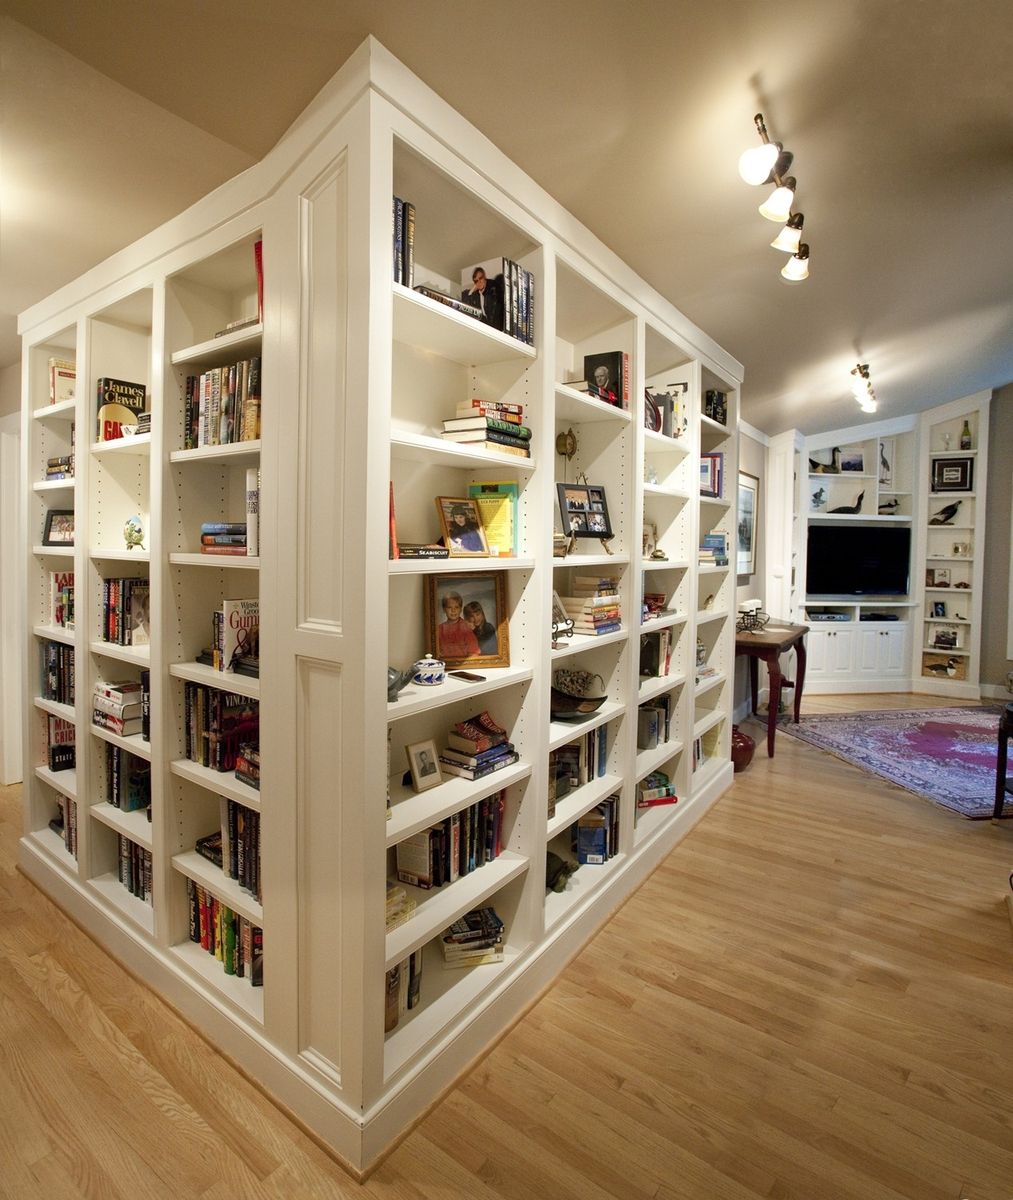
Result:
pixel 811 999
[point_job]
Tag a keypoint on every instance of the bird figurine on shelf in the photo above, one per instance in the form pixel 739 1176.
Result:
pixel 831 468
pixel 850 508
pixel 945 515
pixel 886 507
pixel 884 465
pixel 948 668
pixel 819 498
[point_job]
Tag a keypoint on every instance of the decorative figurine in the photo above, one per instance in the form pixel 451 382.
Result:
pixel 133 533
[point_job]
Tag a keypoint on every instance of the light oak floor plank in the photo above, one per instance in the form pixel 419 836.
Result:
pixel 810 999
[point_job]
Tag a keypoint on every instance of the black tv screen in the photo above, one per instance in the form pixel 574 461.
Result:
pixel 858 560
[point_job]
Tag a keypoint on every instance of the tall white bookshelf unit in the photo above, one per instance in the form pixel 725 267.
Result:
pixel 357 375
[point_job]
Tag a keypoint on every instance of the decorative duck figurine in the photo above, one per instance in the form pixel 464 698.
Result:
pixel 887 506
pixel 819 498
pixel 851 508
pixel 831 468
pixel 396 682
pixel 948 668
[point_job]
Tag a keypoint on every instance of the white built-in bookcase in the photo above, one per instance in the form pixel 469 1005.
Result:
pixel 357 376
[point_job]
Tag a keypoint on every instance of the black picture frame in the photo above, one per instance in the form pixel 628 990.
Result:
pixel 583 509
pixel 715 406
pixel 952 474
pixel 59 529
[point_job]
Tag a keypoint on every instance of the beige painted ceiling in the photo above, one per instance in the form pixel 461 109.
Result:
pixel 899 113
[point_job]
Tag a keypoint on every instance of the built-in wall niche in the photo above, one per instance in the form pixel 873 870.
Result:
pixel 666 590
pixel 666 526
pixel 602 458
pixel 711 649
pixel 454 228
pixel 590 322
pixel 714 590
pixel 410 638
pixel 417 479
pixel 119 348
pixel 44 389
pixel 208 492
pixel 952 435
pixel 118 483
pixel 195 594
pixel 208 296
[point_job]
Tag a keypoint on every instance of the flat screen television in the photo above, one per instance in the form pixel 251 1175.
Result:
pixel 858 560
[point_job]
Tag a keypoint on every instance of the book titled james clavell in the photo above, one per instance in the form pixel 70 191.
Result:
pixel 120 403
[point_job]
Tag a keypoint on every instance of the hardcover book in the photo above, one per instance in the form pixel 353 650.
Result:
pixel 604 376
pixel 240 631
pixel 119 404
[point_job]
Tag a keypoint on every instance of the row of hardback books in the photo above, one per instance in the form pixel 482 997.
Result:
pixel 234 940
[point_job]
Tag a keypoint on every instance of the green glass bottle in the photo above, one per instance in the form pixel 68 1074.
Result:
pixel 965 436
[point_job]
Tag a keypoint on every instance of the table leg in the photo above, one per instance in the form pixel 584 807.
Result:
pixel 754 681
pixel 800 674
pixel 1000 769
pixel 773 699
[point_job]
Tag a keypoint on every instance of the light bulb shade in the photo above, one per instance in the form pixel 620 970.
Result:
pixel 777 206
pixel 790 237
pixel 797 267
pixel 756 164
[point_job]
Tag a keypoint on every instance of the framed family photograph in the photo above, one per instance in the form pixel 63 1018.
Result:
pixel 749 494
pixel 584 510
pixel 952 474
pixel 59 530
pixel 466 619
pixel 939 608
pixel 424 764
pixel 461 525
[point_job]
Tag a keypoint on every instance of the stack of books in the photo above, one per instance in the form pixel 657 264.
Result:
pixel 248 764
pixel 59 467
pixel 128 780
pixel 473 940
pixel 655 789
pixel 456 846
pixel 235 846
pixel 116 706
pixel 654 605
pixel 477 747
pixel 222 406
pixel 596 834
pixel 400 906
pixel 594 604
pixel 655 653
pixel 714 549
pixel 490 425
pixel 654 721
pixel 223 537
pixel 62 380
pixel 235 638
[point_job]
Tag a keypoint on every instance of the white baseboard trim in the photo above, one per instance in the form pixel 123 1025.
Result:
pixel 995 691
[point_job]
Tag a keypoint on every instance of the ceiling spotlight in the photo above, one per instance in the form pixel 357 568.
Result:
pixel 861 387
pixel 797 267
pixel 757 163
pixel 790 237
pixel 777 206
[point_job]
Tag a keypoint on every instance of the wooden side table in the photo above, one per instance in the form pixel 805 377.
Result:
pixel 769 644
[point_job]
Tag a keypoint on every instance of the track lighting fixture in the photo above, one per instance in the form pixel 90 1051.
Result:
pixel 797 267
pixel 861 387
pixel 777 206
pixel 769 163
pixel 790 237
pixel 757 163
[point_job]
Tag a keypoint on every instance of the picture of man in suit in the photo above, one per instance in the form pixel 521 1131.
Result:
pixel 486 295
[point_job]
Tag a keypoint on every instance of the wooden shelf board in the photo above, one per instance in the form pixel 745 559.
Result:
pixel 227 562
pixel 196 867
pixel 133 744
pixel 664 620
pixel 708 682
pixel 656 757
pixel 581 408
pixel 64 411
pixel 580 888
pixel 581 800
pixel 133 825
pixel 55 633
pixel 438 566
pixel 117 897
pixel 438 329
pixel 422 447
pixel 222 783
pixel 239 993
pixel 53 485
pixel 411 811
pixel 233 454
pixel 224 681
pixel 436 908
pixel 561 732
pixel 138 443
pixel 657 685
pixel 52 844
pixel 581 561
pixel 418 698
pixel 221 350
pixel 140 656
pixel 665 493
pixel 66 711
pixel 659 443
pixel 54 551
pixel 584 641
pixel 702 724
pixel 64 782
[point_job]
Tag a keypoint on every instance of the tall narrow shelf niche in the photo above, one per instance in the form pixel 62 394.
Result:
pixel 334 994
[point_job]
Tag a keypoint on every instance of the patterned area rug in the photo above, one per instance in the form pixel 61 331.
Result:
pixel 946 754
